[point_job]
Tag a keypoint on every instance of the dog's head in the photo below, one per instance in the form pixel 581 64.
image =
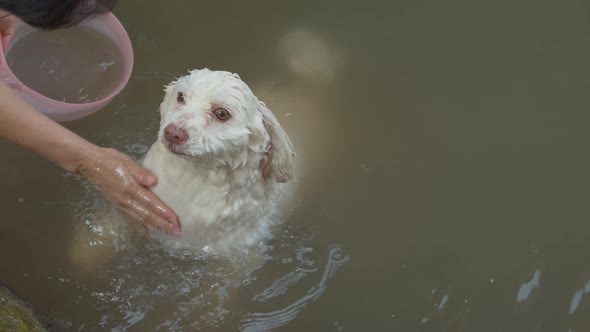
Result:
pixel 214 115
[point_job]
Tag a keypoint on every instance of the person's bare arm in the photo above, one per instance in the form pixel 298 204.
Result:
pixel 116 175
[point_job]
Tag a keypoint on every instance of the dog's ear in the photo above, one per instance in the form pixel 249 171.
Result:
pixel 279 159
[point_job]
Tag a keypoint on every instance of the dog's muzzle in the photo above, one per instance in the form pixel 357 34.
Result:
pixel 174 137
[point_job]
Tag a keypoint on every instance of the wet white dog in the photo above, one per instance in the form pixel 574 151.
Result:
pixel 222 161
pixel 221 158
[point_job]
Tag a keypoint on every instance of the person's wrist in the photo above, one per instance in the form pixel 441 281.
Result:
pixel 84 160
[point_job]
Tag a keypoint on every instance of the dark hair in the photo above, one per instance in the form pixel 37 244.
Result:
pixel 53 14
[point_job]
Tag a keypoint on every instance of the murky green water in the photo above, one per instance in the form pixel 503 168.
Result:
pixel 445 187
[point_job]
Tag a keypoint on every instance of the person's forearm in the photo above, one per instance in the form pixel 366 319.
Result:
pixel 22 124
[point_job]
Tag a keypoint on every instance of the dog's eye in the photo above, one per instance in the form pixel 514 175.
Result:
pixel 180 97
pixel 222 114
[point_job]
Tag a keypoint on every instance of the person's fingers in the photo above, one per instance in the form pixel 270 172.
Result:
pixel 148 198
pixel 151 218
pixel 131 214
pixel 126 184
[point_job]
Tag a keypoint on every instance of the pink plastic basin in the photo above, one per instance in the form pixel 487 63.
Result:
pixel 107 25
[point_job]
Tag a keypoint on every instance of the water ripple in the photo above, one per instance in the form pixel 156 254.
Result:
pixel 527 288
pixel 270 320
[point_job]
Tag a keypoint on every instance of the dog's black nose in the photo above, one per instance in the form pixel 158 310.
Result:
pixel 174 134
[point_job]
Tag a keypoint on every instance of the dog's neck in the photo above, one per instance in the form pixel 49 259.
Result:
pixel 230 163
pixel 232 166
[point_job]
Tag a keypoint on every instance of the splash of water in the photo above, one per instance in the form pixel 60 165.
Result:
pixel 146 285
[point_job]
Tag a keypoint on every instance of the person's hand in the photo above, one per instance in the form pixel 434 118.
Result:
pixel 7 23
pixel 125 184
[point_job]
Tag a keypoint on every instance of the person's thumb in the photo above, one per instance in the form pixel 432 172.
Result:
pixel 144 176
